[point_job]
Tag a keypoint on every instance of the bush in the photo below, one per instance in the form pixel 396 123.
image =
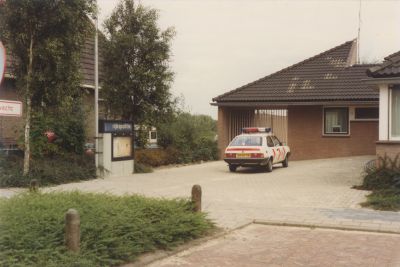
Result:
pixel 383 175
pixel 192 136
pixel 114 230
pixel 383 179
pixel 142 168
pixel 70 132
pixel 156 157
pixel 47 170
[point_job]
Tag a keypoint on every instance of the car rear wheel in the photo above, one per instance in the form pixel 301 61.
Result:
pixel 268 167
pixel 232 168
pixel 285 163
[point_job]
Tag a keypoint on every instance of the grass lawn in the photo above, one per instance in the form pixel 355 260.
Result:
pixel 114 230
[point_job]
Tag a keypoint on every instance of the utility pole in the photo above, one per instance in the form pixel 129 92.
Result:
pixel 358 37
pixel 96 88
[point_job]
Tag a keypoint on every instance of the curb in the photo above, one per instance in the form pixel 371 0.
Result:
pixel 152 257
pixel 322 226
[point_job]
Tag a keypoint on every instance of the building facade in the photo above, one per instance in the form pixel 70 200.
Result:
pixel 328 108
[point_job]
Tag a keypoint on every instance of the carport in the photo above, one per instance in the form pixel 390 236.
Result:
pixel 321 107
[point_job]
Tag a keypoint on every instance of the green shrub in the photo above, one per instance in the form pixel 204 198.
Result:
pixel 142 168
pixel 387 199
pixel 383 174
pixel 114 229
pixel 70 132
pixel 47 170
pixel 383 178
pixel 156 157
pixel 193 137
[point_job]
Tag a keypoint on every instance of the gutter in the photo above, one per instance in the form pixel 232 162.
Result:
pixel 302 103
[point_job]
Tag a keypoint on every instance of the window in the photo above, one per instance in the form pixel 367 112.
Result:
pixel 276 141
pixel 366 113
pixel 395 113
pixel 153 135
pixel 270 143
pixel 247 141
pixel 336 121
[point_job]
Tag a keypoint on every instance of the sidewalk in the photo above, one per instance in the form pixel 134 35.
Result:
pixel 260 245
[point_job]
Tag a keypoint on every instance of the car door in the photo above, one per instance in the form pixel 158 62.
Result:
pixel 271 146
pixel 280 153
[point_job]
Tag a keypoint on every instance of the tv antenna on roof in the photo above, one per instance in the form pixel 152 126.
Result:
pixel 358 37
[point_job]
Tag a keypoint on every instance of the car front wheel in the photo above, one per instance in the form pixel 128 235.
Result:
pixel 268 167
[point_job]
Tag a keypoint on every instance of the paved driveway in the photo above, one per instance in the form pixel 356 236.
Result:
pixel 313 191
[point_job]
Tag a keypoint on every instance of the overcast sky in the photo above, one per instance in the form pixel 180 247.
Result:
pixel 223 44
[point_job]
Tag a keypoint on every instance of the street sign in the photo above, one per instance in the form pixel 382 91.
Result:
pixel 2 61
pixel 10 108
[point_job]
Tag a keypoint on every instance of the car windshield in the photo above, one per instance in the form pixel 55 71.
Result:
pixel 247 141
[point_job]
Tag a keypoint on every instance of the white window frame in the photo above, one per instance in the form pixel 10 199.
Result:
pixel 336 134
pixel 392 138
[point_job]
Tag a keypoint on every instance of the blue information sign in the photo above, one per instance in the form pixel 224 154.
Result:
pixel 121 127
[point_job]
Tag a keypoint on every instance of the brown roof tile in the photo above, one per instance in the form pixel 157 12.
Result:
pixel 328 76
pixel 390 68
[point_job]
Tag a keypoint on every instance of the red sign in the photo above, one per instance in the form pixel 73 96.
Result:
pixel 10 108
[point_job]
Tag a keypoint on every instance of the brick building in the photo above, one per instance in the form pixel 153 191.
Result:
pixel 327 108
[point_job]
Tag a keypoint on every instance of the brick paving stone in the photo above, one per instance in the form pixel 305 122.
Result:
pixel 258 245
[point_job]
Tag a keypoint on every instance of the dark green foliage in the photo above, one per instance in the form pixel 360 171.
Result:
pixel 57 30
pixel 69 131
pixel 383 179
pixel 136 60
pixel 142 168
pixel 114 229
pixel 193 136
pixel 45 39
pixel 53 170
pixel 382 175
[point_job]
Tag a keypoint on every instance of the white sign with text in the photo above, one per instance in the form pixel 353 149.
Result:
pixel 10 108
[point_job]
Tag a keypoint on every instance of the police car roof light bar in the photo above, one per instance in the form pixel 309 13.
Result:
pixel 256 130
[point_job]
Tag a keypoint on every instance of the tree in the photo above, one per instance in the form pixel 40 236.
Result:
pixel 45 38
pixel 194 137
pixel 136 63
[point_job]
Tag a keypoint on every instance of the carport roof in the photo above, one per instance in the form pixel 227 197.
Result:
pixel 329 76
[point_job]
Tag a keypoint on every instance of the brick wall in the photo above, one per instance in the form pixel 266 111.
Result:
pixel 306 141
pixel 388 148
pixel 223 130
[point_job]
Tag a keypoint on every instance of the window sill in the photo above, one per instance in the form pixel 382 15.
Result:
pixel 335 135
pixel 364 120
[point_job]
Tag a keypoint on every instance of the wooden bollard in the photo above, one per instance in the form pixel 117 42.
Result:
pixel 196 197
pixel 34 185
pixel 72 230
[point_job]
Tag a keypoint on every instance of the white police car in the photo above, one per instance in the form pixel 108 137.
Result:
pixel 256 147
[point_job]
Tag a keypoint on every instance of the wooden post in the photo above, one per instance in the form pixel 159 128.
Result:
pixel 34 185
pixel 72 230
pixel 196 197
